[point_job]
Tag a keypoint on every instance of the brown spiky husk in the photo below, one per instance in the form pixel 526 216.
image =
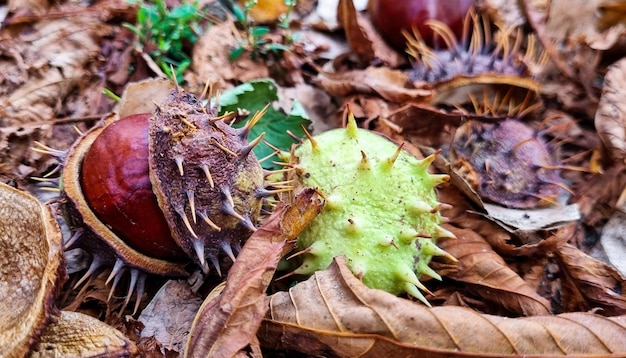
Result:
pixel 206 177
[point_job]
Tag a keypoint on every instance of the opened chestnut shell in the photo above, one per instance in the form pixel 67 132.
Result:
pixel 151 193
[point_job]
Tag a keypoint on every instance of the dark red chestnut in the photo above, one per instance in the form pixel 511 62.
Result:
pixel 116 183
pixel 392 17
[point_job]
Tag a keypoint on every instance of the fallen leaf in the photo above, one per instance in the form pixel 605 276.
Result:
pixel 335 314
pixel 364 39
pixel 227 323
pixel 613 239
pixel 590 284
pixel 391 85
pixel 53 57
pixel 169 315
pixel 486 274
pixel 610 120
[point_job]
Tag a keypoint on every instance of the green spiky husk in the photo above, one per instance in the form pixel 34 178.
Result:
pixel 380 213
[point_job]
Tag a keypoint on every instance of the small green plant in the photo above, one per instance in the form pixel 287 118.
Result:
pixel 163 33
pixel 254 34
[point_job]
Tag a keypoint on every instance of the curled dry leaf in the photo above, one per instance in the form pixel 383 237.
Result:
pixel 391 85
pixel 486 274
pixel 610 120
pixel 31 270
pixel 588 283
pixel 334 314
pixel 78 335
pixel 227 323
pixel 364 40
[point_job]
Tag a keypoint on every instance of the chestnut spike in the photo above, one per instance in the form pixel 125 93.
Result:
pixel 207 173
pixel 134 273
pixel 192 204
pixel 183 216
pixel 228 207
pixel 44 149
pixel 116 280
pixel 312 140
pixel 210 222
pixel 117 269
pixel 263 193
pixel 391 160
pixel 228 250
pixel 72 240
pixel 215 262
pixel 244 151
pixel 179 164
pixel 294 137
pixel 141 284
pixel 364 164
pixel 223 148
pixel 253 121
pixel 198 247
pixel 96 263
pixel 268 157
pixel 247 222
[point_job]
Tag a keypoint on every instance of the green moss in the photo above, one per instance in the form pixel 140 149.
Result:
pixel 381 209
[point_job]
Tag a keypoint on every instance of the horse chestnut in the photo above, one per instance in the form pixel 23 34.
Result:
pixel 393 17
pixel 116 183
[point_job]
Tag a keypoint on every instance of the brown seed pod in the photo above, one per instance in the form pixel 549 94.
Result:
pixel 148 192
pixel 32 270
pixel 206 177
pixel 509 163
pixel 477 65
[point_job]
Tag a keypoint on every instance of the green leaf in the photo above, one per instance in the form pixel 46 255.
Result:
pixel 255 95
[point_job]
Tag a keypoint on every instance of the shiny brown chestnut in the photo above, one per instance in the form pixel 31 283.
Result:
pixel 392 17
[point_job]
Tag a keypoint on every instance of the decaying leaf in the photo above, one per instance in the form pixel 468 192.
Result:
pixel 613 240
pixel 78 335
pixel 590 284
pixel 334 314
pixel 31 270
pixel 486 274
pixel 364 40
pixel 227 323
pixel 169 315
pixel 390 84
pixel 54 55
pixel 610 120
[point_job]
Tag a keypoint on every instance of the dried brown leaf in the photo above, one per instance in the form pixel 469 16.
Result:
pixel 227 323
pixel 610 120
pixel 334 314
pixel 52 61
pixel 390 84
pixel 486 274
pixel 31 270
pixel 364 39
pixel 590 284
pixel 79 335
pixel 169 315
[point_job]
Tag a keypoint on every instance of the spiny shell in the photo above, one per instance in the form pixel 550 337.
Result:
pixel 511 162
pixel 381 209
pixel 206 177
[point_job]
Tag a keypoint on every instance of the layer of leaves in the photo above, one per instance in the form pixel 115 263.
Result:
pixel 334 314
pixel 227 323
